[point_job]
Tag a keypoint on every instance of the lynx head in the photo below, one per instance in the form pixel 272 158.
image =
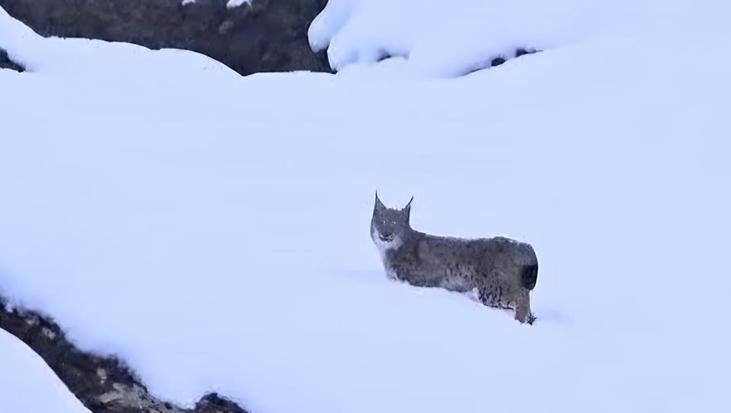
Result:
pixel 389 226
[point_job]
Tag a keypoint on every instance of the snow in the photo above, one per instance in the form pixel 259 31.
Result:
pixel 212 230
pixel 28 385
pixel 236 3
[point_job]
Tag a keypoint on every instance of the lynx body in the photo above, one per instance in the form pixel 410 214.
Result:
pixel 503 271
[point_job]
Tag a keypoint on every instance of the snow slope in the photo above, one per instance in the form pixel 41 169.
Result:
pixel 28 385
pixel 213 230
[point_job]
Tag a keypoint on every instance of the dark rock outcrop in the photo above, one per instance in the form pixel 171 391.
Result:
pixel 261 36
pixel 7 63
pixel 497 61
pixel 103 384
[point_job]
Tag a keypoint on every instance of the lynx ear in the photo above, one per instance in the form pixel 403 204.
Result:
pixel 379 205
pixel 407 209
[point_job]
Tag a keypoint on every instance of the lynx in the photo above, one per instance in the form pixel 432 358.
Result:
pixel 503 271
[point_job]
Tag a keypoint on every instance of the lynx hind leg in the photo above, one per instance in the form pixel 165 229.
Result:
pixel 497 296
pixel 491 295
pixel 522 307
pixel 485 296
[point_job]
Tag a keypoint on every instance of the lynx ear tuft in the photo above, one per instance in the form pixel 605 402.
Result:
pixel 407 209
pixel 379 205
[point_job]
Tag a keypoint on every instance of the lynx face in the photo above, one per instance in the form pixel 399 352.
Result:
pixel 388 226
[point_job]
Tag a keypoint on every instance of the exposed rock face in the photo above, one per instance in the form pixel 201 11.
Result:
pixel 260 36
pixel 103 384
pixel 6 63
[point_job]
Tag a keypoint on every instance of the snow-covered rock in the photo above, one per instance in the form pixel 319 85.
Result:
pixel 7 63
pixel 256 36
pixel 450 38
pixel 103 383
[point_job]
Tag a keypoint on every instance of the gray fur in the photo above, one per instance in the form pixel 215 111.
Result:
pixel 502 270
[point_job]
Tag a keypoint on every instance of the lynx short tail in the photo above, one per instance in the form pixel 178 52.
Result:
pixel 529 276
